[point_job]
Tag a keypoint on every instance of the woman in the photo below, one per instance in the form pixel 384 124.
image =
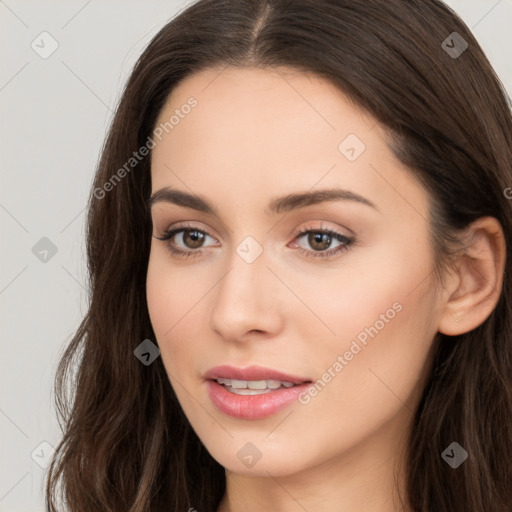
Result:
pixel 300 288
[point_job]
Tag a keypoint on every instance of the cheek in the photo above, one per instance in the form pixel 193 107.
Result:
pixel 159 296
pixel 380 318
pixel 171 292
pixel 365 285
pixel 174 298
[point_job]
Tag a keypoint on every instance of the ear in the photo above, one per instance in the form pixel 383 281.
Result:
pixel 474 289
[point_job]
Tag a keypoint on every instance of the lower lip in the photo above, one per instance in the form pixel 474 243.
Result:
pixel 252 407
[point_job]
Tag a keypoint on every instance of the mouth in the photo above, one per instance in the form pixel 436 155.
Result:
pixel 253 387
pixel 254 392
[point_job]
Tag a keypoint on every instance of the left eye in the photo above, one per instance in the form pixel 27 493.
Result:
pixel 321 239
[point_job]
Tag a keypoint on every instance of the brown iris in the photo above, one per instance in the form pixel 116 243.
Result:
pixel 319 241
pixel 195 237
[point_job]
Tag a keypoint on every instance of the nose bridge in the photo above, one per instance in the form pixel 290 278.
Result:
pixel 245 298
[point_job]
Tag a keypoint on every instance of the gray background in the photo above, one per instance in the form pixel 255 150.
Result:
pixel 55 112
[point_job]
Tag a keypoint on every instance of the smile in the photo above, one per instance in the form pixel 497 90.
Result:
pixel 253 387
pixel 252 393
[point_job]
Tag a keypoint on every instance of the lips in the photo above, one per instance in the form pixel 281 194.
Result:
pixel 254 392
pixel 252 373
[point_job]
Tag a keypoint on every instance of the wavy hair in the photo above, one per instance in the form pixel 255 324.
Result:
pixel 126 444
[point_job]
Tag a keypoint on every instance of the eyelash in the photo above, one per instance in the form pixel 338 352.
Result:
pixel 348 243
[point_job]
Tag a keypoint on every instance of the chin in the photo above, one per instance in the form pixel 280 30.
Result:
pixel 255 459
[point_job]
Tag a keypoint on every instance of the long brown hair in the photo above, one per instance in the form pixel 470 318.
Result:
pixel 127 446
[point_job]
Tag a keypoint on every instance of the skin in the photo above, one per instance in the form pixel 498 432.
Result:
pixel 257 134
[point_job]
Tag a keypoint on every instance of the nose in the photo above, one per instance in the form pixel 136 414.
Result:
pixel 247 301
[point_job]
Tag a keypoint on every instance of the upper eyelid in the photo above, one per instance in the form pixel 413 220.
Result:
pixel 186 227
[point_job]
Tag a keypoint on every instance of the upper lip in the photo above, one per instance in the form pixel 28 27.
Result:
pixel 251 373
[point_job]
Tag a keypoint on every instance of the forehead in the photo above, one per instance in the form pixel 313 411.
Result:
pixel 267 100
pixel 260 131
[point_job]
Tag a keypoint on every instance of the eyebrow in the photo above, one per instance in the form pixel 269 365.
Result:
pixel 278 205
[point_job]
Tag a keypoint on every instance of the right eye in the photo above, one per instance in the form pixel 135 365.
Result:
pixel 192 240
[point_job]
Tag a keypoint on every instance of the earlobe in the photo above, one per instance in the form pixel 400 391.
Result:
pixel 477 284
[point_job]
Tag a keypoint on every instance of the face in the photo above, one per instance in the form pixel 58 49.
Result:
pixel 331 293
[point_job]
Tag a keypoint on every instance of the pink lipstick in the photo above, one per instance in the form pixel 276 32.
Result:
pixel 253 392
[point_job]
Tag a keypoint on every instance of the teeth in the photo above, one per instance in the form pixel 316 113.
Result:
pixel 257 384
pixel 273 384
pixel 253 385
